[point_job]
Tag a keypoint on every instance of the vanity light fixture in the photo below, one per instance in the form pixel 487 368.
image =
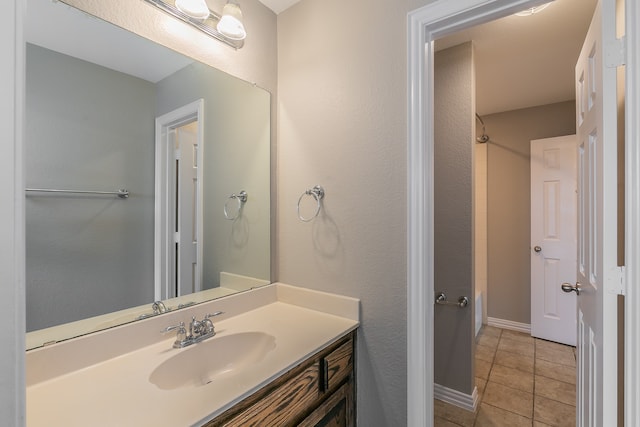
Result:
pixel 227 28
pixel 533 10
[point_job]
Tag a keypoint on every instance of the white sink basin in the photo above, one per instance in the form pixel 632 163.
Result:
pixel 220 356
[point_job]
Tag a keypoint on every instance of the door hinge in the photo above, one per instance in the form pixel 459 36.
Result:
pixel 176 154
pixel 176 237
pixel 616 52
pixel 616 284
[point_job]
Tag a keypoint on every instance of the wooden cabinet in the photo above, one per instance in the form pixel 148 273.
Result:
pixel 336 411
pixel 319 392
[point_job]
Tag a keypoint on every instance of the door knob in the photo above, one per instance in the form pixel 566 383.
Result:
pixel 537 248
pixel 568 287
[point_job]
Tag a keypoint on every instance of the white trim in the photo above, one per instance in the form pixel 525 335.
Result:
pixel 632 215
pixel 509 324
pixel 468 402
pixel 12 240
pixel 420 351
pixel 164 262
pixel 424 26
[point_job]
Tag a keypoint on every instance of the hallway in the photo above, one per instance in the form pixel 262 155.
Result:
pixel 522 381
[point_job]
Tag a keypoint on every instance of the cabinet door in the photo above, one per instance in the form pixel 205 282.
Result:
pixel 336 411
pixel 286 403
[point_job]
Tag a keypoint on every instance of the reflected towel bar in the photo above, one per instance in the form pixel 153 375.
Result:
pixel 122 193
pixel 441 299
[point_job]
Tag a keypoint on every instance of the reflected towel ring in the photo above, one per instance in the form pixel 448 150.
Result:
pixel 241 198
pixel 318 193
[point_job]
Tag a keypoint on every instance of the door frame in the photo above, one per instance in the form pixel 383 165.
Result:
pixel 164 251
pixel 425 25
pixel 12 237
pixel 632 214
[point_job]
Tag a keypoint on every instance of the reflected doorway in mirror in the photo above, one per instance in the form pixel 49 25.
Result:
pixel 178 256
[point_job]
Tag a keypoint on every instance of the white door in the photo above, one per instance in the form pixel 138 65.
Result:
pixel 553 238
pixel 599 278
pixel 186 203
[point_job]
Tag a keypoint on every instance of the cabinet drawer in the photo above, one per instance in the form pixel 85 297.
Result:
pixel 337 365
pixel 288 402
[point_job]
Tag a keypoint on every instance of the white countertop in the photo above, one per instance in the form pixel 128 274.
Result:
pixel 117 391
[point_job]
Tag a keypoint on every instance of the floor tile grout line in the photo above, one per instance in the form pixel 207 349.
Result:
pixel 534 393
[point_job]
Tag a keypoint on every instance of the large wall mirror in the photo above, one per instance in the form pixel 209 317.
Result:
pixel 107 110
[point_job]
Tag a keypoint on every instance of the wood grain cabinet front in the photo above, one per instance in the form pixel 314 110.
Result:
pixel 319 392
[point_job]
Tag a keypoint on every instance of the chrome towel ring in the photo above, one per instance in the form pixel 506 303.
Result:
pixel 240 198
pixel 317 193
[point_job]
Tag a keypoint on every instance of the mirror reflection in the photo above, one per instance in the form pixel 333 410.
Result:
pixel 107 110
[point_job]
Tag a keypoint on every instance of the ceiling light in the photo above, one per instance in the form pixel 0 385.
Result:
pixel 196 9
pixel 230 24
pixel 533 10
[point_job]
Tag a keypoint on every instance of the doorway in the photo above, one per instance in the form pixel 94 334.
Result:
pixel 514 108
pixel 178 207
pixel 509 128
pixel 426 25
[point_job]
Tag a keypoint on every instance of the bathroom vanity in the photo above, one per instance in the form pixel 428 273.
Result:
pixel 281 356
pixel 317 392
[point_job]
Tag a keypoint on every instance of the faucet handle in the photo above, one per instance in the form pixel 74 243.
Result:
pixel 180 327
pixel 217 313
pixel 181 336
pixel 208 324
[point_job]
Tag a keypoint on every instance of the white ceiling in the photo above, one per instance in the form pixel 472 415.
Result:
pixel 278 5
pixel 527 61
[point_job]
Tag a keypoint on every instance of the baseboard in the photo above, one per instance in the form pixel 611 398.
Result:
pixel 456 398
pixel 508 324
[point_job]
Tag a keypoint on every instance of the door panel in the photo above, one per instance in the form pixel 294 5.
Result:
pixel 553 238
pixel 187 243
pixel 597 269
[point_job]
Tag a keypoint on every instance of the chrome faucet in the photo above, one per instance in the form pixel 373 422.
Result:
pixel 199 330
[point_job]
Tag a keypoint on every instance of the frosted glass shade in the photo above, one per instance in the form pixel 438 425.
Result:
pixel 197 9
pixel 230 24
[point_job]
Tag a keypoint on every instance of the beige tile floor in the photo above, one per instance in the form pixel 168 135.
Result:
pixel 522 381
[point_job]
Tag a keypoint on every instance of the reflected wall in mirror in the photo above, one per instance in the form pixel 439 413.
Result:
pixel 93 94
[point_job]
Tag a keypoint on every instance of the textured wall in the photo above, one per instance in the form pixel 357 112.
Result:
pixel 454 101
pixel 342 78
pixel 509 202
pixel 100 249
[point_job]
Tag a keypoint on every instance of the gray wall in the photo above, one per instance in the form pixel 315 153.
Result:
pixel 78 263
pixel 342 123
pixel 453 241
pixel 235 157
pixel 509 202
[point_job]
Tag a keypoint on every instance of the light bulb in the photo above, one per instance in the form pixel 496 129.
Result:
pixel 196 9
pixel 230 24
